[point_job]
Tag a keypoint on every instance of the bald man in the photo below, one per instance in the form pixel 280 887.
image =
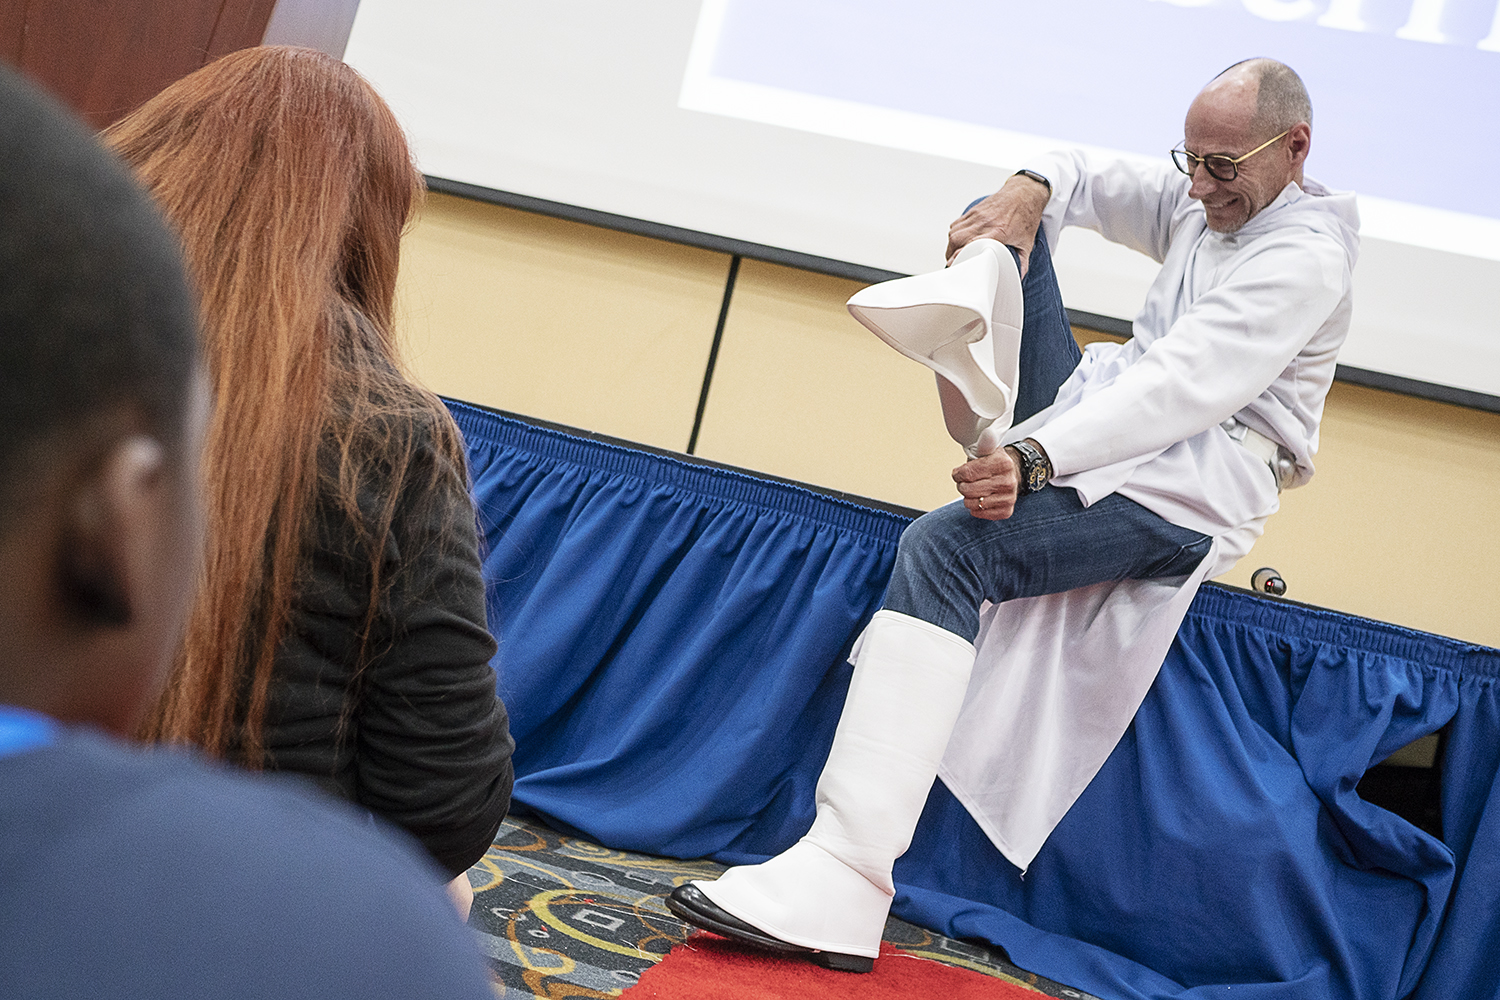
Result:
pixel 1133 472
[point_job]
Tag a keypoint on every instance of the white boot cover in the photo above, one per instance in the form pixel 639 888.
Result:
pixel 963 322
pixel 977 435
pixel 805 896
pixel 832 889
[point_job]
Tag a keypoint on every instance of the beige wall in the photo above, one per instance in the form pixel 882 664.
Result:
pixel 611 333
pixel 582 326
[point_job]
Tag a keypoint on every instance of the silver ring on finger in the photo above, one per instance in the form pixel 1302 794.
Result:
pixel 981 503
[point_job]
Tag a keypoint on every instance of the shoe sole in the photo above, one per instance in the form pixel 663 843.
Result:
pixel 692 905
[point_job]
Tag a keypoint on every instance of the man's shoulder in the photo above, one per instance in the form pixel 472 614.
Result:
pixel 1298 253
pixel 1316 220
pixel 169 877
pixel 1293 245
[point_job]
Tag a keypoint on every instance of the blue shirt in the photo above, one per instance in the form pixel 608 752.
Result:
pixel 128 872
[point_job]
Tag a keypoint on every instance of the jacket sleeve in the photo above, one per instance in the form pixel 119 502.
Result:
pixel 1221 353
pixel 1127 202
pixel 434 746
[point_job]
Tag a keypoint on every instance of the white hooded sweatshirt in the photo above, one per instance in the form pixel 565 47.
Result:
pixel 1245 324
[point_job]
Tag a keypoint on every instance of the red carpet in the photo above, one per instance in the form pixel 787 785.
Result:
pixel 707 966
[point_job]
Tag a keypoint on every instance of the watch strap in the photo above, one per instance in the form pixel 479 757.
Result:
pixel 1033 175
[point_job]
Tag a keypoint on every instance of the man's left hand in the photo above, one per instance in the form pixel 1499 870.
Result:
pixel 989 485
pixel 1010 215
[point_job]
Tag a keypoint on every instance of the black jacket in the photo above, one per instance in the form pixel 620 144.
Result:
pixel 424 742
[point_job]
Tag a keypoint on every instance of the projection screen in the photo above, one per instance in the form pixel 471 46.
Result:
pixel 846 134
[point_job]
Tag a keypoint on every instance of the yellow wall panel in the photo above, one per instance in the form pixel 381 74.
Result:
pixel 558 320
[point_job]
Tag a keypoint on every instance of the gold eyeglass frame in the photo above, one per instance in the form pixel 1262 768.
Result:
pixel 1194 160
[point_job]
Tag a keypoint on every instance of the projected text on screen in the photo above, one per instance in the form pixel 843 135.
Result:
pixel 1403 90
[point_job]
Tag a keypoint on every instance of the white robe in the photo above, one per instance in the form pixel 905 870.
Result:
pixel 1246 324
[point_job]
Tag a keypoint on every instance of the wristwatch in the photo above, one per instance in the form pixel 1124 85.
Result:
pixel 1036 469
pixel 1033 175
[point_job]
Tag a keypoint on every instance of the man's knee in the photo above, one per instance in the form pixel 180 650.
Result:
pixel 934 535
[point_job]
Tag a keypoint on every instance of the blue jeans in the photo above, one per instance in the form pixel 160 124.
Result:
pixel 949 562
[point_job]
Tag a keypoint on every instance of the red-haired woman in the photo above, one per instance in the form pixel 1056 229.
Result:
pixel 340 628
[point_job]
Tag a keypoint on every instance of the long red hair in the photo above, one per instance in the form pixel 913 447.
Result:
pixel 289 181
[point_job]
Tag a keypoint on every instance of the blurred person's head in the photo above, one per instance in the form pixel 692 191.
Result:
pixel 102 406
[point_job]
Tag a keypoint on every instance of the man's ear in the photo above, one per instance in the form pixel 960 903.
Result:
pixel 1299 143
pixel 112 532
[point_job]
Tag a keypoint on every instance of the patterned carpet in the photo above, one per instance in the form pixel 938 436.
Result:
pixel 562 918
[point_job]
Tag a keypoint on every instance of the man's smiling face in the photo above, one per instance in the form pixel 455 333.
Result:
pixel 1221 120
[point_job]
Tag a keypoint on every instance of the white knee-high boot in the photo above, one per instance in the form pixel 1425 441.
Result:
pixel 831 891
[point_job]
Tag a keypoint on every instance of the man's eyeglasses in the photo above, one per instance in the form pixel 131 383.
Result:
pixel 1219 166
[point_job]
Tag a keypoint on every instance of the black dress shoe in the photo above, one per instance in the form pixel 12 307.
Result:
pixel 693 905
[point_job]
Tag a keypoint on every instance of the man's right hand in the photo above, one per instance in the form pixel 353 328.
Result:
pixel 1010 215
pixel 989 485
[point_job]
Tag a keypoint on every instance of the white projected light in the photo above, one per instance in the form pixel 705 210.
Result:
pixel 856 131
pixel 702 90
